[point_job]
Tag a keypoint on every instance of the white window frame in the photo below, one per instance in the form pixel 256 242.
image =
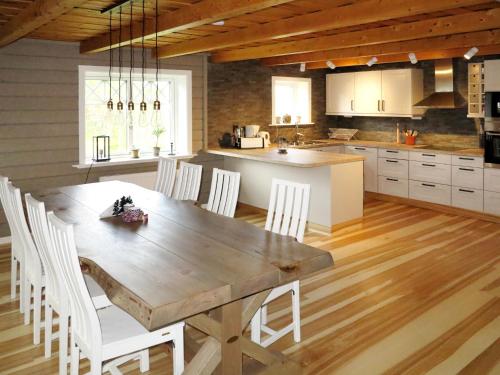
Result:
pixel 298 79
pixel 84 69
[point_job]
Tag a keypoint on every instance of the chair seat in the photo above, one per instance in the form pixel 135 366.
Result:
pixel 98 295
pixel 117 325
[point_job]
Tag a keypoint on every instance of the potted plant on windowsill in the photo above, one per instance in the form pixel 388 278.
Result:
pixel 157 132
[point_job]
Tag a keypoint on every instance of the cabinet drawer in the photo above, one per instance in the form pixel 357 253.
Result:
pixel 430 192
pixel 431 172
pixel 393 168
pixel 393 186
pixel 470 199
pixel 392 153
pixel 492 179
pixel 362 150
pixel 492 202
pixel 467 177
pixel 468 161
pixel 430 156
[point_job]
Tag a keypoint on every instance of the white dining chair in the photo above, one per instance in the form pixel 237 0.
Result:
pixel 287 215
pixel 224 192
pixel 16 260
pixel 188 181
pixel 55 297
pixel 109 333
pixel 165 176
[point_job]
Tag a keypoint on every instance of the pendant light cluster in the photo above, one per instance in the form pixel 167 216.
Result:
pixel 131 104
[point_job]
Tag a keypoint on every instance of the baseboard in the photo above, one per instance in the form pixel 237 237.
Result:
pixel 4 240
pixel 434 206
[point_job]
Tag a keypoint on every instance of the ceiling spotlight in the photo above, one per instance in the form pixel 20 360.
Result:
pixel 413 58
pixel 372 61
pixel 470 53
pixel 218 23
pixel 302 67
pixel 330 65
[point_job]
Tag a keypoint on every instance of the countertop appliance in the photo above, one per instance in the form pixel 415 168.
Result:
pixel 492 142
pixel 267 138
pixel 492 105
pixel 250 142
pixel 251 131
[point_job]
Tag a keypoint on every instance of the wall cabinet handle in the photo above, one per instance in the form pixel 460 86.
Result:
pixel 383 105
pixel 378 105
pixel 352 105
pixel 467 169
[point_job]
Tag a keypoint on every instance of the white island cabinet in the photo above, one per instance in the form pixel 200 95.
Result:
pixel 336 180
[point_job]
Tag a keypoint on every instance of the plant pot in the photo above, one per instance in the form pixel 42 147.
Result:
pixel 156 151
pixel 135 153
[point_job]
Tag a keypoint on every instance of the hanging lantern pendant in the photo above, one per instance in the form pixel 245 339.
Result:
pixel 144 107
pixel 156 105
pixel 110 104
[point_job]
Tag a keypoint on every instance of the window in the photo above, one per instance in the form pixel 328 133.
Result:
pixel 134 129
pixel 292 96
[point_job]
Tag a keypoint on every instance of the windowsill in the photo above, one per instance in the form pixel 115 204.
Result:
pixel 288 125
pixel 129 160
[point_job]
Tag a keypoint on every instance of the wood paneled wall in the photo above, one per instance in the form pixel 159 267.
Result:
pixel 39 113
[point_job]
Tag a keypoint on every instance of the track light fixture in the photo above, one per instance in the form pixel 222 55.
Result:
pixel 372 61
pixel 413 58
pixel 302 67
pixel 471 53
pixel 218 23
pixel 330 64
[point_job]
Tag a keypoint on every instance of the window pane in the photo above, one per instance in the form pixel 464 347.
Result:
pixel 292 97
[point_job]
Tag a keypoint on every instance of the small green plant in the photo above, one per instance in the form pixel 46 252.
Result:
pixel 119 205
pixel 157 132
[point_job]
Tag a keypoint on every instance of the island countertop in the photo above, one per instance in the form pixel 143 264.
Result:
pixel 295 157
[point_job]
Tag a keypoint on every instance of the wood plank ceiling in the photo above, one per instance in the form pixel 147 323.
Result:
pixel 347 32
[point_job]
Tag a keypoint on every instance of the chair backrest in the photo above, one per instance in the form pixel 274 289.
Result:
pixel 165 176
pixel 224 192
pixel 288 208
pixel 33 264
pixel 187 184
pixel 84 321
pixel 7 208
pixel 40 230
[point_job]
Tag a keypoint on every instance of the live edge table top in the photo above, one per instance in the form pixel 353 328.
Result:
pixel 184 261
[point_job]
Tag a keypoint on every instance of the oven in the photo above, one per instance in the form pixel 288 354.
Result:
pixel 492 141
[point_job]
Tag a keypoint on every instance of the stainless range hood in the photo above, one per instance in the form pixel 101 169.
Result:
pixel 444 96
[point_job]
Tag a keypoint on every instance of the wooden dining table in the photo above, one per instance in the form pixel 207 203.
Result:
pixel 186 264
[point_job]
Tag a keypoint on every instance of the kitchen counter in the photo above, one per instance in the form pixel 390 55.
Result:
pixel 295 157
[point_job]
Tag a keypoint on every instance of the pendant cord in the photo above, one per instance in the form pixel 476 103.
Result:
pixel 110 53
pixel 120 59
pixel 131 49
pixel 156 49
pixel 143 50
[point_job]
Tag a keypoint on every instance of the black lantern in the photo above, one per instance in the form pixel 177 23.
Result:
pixel 100 149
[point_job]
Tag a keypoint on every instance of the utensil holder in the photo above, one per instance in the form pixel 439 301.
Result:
pixel 410 140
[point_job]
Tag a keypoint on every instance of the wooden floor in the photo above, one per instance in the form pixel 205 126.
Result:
pixel 413 291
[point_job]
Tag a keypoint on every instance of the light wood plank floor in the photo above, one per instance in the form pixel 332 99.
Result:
pixel 413 291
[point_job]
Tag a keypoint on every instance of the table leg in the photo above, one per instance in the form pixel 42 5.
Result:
pixel 231 338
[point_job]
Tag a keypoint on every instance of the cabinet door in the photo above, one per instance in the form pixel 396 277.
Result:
pixel 340 93
pixel 491 76
pixel 396 92
pixel 367 92
pixel 370 164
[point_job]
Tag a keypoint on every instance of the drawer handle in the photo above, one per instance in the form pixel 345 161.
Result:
pixel 429 185
pixel 360 148
pixel 428 165
pixel 392 179
pixel 392 151
pixel 430 155
pixel 467 169
pixel 466 191
pixel 462 158
pixel 391 161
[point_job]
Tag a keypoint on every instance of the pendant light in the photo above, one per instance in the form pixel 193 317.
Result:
pixel 131 105
pixel 156 105
pixel 143 105
pixel 119 105
pixel 110 101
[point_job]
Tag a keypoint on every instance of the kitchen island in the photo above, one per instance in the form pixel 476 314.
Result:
pixel 336 180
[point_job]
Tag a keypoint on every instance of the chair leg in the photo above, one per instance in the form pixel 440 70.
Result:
pixel 63 345
pixel 178 353
pixel 27 301
pixel 48 330
pixel 264 315
pixel 296 310
pixel 95 367
pixel 255 326
pixel 13 276
pixel 75 359
pixel 22 286
pixel 37 313
pixel 144 360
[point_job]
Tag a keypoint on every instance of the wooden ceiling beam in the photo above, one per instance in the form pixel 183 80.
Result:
pixel 462 23
pixel 360 12
pixel 34 15
pixel 478 39
pixel 198 14
pixel 421 56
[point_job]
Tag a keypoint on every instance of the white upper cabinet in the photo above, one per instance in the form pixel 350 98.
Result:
pixel 492 75
pixel 389 93
pixel 340 93
pixel 367 91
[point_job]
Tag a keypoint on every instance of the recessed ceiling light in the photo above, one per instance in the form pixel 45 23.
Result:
pixel 372 61
pixel 330 64
pixel 302 67
pixel 470 53
pixel 413 58
pixel 218 23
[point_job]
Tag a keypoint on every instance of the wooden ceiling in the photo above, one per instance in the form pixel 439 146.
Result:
pixel 347 32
